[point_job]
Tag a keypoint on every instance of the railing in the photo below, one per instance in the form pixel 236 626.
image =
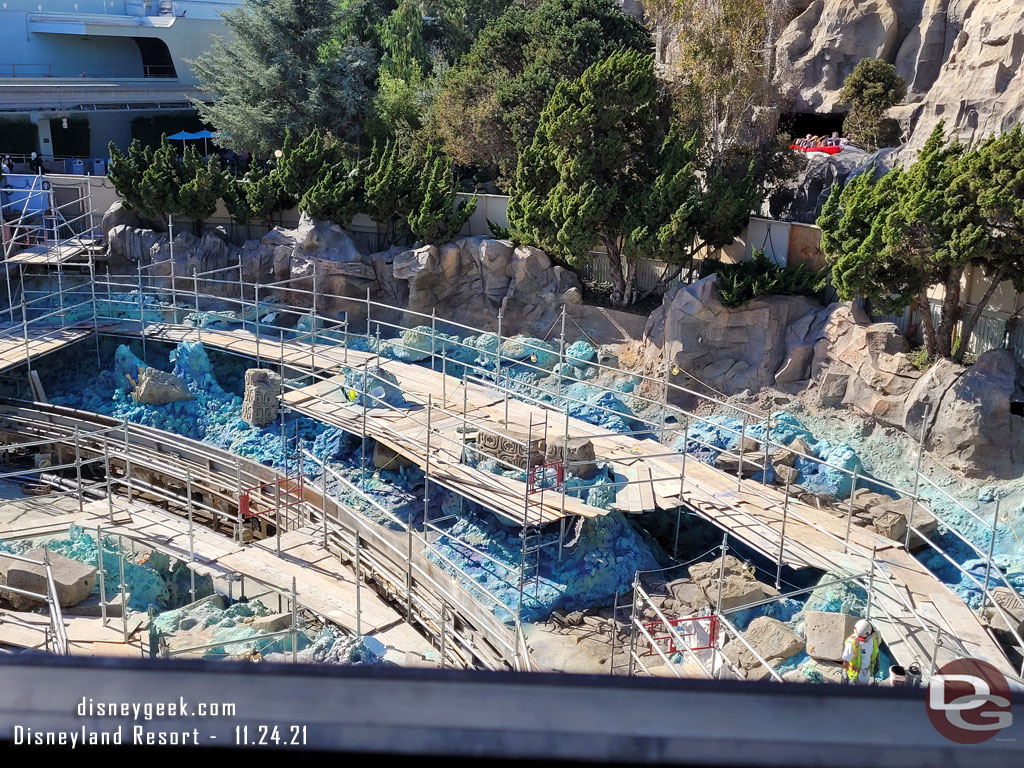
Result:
pixel 38 71
pixel 57 632
pixel 329 339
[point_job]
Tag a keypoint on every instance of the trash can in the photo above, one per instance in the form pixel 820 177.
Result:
pixel 78 167
pixel 67 166
pixel 897 676
pixel 99 166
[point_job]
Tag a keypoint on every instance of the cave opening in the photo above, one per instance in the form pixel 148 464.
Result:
pixel 799 124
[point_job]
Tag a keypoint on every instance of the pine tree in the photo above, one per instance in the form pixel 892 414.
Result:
pixel 202 185
pixel 871 90
pixel 125 172
pixel 437 219
pixel 283 68
pixel 590 162
pixel 160 184
pixel 265 193
pixel 392 188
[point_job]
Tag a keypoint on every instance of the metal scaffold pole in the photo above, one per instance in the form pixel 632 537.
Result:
pixel 142 316
pixel 988 560
pixel 191 536
pixel 426 474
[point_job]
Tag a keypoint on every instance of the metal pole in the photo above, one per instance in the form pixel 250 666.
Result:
pixel 100 572
pixel 917 477
pixel 127 461
pixel 368 319
pixel 721 572
pixel 124 602
pixel 95 312
pixel 561 358
pixel 988 562
pixel 359 580
pixel 362 442
pixel 344 333
pixel 78 471
pixel 632 626
pixel 782 537
pixel 174 300
pixel 849 510
pixel 295 623
pixel 743 440
pixel 426 473
pixel 767 440
pixel 323 498
pixel 433 339
pixel 106 469
pixel 277 514
pixel 444 610
pixel 142 315
pixel 256 318
pixel 408 573
pixel 682 482
pixel 195 292
pixel 497 362
pixel 24 329
pixel 615 632
pixel 935 651
pixel 191 536
pixel 871 585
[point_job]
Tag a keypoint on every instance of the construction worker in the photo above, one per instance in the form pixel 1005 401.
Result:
pixel 860 655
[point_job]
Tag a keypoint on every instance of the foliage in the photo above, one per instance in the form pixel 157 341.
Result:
pixel 202 185
pixel 305 163
pixel 585 175
pixel 490 104
pixel 392 188
pixel 890 240
pixel 437 219
pixel 871 89
pixel 759 277
pixel 237 201
pixel 337 195
pixel 920 359
pixel 160 183
pixel 722 69
pixel 265 193
pixel 279 72
pixel 125 171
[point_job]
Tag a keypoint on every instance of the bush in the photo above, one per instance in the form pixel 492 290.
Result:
pixel 749 280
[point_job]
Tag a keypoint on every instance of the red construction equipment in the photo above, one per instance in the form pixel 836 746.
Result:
pixel 708 633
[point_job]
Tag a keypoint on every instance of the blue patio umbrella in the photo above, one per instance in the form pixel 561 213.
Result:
pixel 184 136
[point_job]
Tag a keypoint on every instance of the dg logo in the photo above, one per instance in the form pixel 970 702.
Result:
pixel 969 701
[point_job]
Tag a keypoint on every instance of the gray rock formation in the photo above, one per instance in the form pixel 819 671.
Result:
pixel 773 641
pixel 156 387
pixel 260 400
pixel 738 588
pixel 470 280
pixel 961 59
pixel 826 634
pixel 73 580
pixel 747 347
pixel 803 197
pixel 962 413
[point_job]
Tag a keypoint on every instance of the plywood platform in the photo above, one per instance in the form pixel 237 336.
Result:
pixel 15 348
pixel 749 511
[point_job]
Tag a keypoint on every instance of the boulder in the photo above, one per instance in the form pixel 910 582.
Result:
pixel 738 348
pixel 974 430
pixel 738 588
pixel 772 640
pixel 385 458
pixel 117 215
pixel 1010 603
pixel 578 452
pixel 261 398
pixel 74 581
pixel 275 622
pixel 826 634
pixel 156 387
pixel 689 597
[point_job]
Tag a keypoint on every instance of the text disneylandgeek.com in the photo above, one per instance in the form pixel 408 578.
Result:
pixel 146 729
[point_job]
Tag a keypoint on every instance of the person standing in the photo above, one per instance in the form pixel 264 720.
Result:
pixel 860 654
pixel 35 164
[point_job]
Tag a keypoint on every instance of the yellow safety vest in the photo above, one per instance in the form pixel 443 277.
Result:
pixel 854 671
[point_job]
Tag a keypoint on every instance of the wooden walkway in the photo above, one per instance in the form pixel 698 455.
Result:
pixel 749 511
pixel 41 341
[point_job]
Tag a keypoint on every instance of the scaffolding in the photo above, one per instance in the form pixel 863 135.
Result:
pixel 157 297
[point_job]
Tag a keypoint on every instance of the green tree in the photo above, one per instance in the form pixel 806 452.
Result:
pixel 280 71
pixel 202 185
pixel 125 172
pixel 392 189
pixel 871 89
pixel 305 163
pixel 159 186
pixel 265 194
pixel 581 181
pixel 994 175
pixel 489 105
pixel 337 196
pixel 721 67
pixel 237 201
pixel 437 219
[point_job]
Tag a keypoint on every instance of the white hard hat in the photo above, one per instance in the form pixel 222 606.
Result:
pixel 864 628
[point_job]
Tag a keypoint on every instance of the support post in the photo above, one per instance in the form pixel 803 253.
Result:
pixel 174 299
pixel 767 442
pixel 277 514
pixel 256 319
pixel 871 585
pixel 142 314
pixel 782 537
pixel 988 562
pixel 295 623
pixel 849 511
pixel 743 440
pixel 127 461
pixel 497 361
pixel 682 483
pixel 359 584
pixel 24 330
pixel 362 441
pixel 917 477
pixel 78 471
pixel 444 627
pixel 101 573
pixel 426 474
pixel 408 572
pixel 124 601
pixel 106 471
pixel 191 536
pixel 195 293
pixel 721 572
